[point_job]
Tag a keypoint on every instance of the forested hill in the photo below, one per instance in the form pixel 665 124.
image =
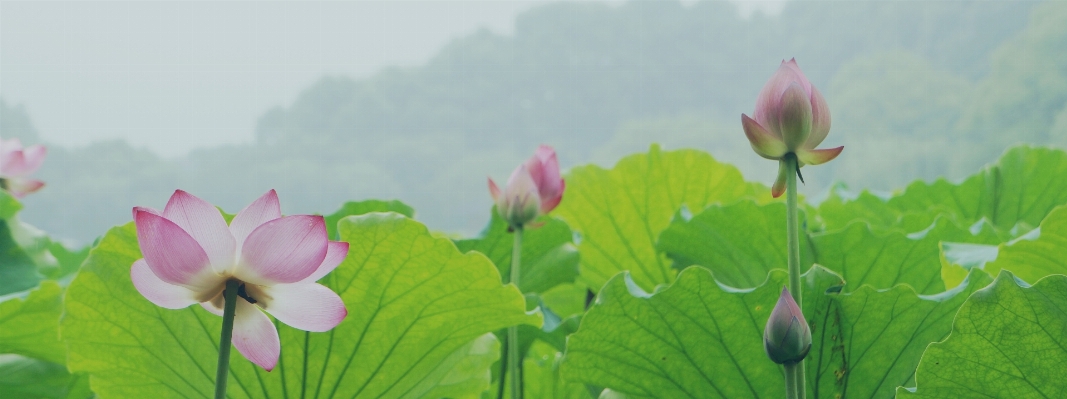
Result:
pixel 573 72
pixel 917 90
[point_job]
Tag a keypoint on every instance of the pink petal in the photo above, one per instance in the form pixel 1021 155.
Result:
pixel 255 336
pixel 205 224
pixel 768 103
pixel 262 210
pixel 284 250
pixel 172 254
pixel 13 164
pixel 765 143
pixel 308 307
pixel 33 157
pixel 9 146
pixel 20 187
pixel 817 157
pixel 494 191
pixel 8 149
pixel 794 118
pixel 779 184
pixel 798 74
pixel 145 209
pixel 548 204
pixel 336 251
pixel 544 169
pixel 157 291
pixel 521 201
pixel 820 119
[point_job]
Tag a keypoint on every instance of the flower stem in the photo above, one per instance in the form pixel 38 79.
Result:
pixel 791 388
pixel 793 237
pixel 222 373
pixel 514 361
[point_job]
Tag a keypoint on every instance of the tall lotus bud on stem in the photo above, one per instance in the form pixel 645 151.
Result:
pixel 787 337
pixel 534 189
pixel 790 120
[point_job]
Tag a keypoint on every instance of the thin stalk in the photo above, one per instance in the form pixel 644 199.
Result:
pixel 514 376
pixel 791 388
pixel 222 373
pixel 793 237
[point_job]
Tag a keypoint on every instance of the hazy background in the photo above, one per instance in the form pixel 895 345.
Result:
pixel 420 100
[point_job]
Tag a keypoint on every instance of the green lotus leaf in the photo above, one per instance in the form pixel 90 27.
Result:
pixel 620 213
pixel 30 326
pixel 542 379
pixel 18 271
pixel 549 257
pixel 1015 193
pixel 873 339
pixel 1037 254
pixel 353 208
pixel 1008 340
pixel 883 259
pixel 414 301
pixel 740 242
pixel 692 339
pixel 27 378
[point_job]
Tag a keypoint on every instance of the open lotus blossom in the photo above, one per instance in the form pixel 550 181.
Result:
pixel 534 188
pixel 791 117
pixel 16 163
pixel 190 253
pixel 787 337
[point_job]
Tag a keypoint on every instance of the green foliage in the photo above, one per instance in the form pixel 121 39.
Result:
pixel 26 378
pixel 1015 193
pixel 30 326
pixel 871 340
pixel 1008 340
pixel 693 339
pixel 740 242
pixel 882 260
pixel 17 270
pixel 403 288
pixel 549 257
pixel 620 213
pixel 361 207
pixel 542 378
pixel 1035 256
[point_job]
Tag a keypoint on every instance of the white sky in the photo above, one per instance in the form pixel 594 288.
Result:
pixel 173 76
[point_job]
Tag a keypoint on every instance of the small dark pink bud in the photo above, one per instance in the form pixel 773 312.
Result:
pixel 787 337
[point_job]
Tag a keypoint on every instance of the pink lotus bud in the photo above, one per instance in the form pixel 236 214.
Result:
pixel 17 163
pixel 787 337
pixel 791 117
pixel 534 188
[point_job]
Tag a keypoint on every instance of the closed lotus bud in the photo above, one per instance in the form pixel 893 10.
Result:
pixel 534 189
pixel 791 117
pixel 787 337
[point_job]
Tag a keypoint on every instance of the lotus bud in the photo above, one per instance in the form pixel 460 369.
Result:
pixel 16 164
pixel 787 337
pixel 791 117
pixel 534 188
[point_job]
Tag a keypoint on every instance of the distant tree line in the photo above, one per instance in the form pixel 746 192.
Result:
pixel 916 90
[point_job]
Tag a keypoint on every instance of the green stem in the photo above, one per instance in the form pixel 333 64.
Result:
pixel 514 378
pixel 222 373
pixel 793 237
pixel 791 388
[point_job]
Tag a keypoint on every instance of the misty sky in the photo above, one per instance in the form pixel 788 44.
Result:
pixel 173 76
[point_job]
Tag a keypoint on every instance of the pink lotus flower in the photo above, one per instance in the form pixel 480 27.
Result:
pixel 791 117
pixel 190 253
pixel 16 163
pixel 534 188
pixel 787 337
